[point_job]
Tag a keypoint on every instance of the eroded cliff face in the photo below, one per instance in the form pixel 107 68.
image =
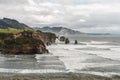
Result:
pixel 48 38
pixel 24 46
pixel 27 42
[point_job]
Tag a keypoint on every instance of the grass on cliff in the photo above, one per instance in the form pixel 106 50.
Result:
pixel 12 30
pixel 4 33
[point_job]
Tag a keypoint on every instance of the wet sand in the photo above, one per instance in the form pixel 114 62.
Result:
pixel 59 77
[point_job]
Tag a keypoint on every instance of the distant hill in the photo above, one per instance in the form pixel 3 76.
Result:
pixel 59 30
pixel 6 23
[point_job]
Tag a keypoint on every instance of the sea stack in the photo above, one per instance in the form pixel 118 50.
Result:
pixel 62 38
pixel 67 41
pixel 76 42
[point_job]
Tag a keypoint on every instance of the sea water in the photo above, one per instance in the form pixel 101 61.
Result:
pixel 94 54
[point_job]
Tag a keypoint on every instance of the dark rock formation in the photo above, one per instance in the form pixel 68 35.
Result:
pixel 67 41
pixel 27 42
pixel 47 37
pixel 62 38
pixel 76 42
pixel 23 46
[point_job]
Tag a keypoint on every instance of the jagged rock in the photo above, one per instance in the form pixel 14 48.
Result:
pixel 26 42
pixel 48 38
pixel 62 38
pixel 67 41
pixel 76 42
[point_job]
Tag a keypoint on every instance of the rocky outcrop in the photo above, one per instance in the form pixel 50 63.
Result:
pixel 23 46
pixel 27 42
pixel 62 38
pixel 48 38
pixel 67 41
pixel 76 42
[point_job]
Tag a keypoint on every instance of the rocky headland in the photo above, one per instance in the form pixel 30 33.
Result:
pixel 26 42
pixel 18 38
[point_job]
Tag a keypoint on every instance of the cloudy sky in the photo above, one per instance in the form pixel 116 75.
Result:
pixel 84 15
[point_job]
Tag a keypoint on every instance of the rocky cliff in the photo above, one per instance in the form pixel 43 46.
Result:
pixel 27 42
pixel 47 37
pixel 18 38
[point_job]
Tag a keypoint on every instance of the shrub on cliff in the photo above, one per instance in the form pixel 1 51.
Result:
pixel 5 35
pixel 20 41
pixel 24 46
pixel 39 31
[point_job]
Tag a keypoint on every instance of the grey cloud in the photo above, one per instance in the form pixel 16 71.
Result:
pixel 13 2
pixel 77 14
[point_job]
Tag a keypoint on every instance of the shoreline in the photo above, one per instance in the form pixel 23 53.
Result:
pixel 60 76
pixel 69 76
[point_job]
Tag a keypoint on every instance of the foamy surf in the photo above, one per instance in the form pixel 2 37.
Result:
pixel 80 57
pixel 89 57
pixel 25 71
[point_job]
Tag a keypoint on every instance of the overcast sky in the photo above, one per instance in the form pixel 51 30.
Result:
pixel 84 15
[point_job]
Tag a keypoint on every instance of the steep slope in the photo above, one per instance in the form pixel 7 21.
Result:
pixel 6 23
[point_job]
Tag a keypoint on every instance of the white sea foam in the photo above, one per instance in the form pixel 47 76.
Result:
pixel 108 74
pixel 106 54
pixel 92 56
pixel 97 42
pixel 74 58
pixel 4 70
pixel 117 49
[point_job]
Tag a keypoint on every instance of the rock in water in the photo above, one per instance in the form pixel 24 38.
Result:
pixel 62 38
pixel 67 41
pixel 76 42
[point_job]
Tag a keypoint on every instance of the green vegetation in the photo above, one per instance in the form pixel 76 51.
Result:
pixel 10 30
pixel 22 41
pixel 14 31
pixel 38 31
pixel 6 23
pixel 12 26
pixel 6 33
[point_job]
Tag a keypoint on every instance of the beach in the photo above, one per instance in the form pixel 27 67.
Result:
pixel 69 76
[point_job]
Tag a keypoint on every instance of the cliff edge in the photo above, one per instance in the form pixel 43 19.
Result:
pixel 26 42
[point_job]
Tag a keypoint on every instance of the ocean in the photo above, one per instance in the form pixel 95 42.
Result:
pixel 94 54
